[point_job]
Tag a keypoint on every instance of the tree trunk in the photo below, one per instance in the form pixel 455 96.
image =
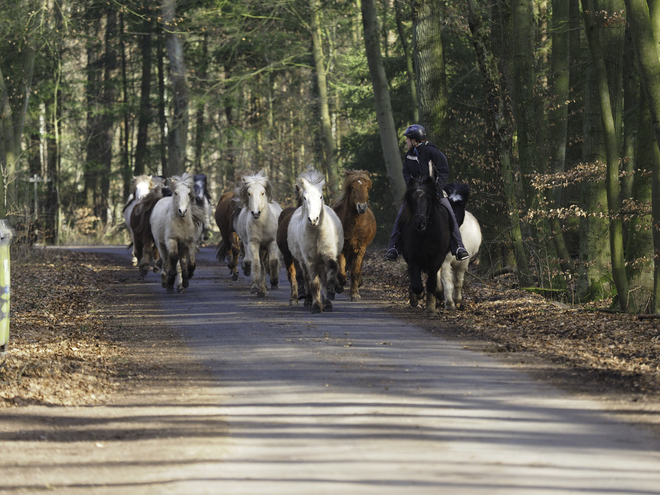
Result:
pixel 162 120
pixel 321 79
pixel 144 112
pixel 643 30
pixel 199 113
pixel 178 128
pixel 388 137
pixel 558 118
pixel 501 126
pixel 523 93
pixel 410 70
pixel 429 60
pixel 125 156
pixel 94 90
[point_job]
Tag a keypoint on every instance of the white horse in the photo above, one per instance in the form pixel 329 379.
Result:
pixel 316 238
pixel 452 271
pixel 173 225
pixel 140 187
pixel 255 222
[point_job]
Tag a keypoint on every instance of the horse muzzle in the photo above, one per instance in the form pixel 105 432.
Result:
pixel 421 226
pixel 361 208
pixel 256 215
pixel 313 221
pixel 182 213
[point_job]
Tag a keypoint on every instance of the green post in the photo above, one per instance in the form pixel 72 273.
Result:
pixel 6 235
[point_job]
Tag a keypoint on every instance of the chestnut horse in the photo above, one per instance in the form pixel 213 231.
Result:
pixel 144 246
pixel 359 225
pixel 230 245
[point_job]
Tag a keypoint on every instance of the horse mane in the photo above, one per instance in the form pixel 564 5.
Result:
pixel 427 186
pixel 197 213
pixel 184 180
pixel 314 177
pixel 352 176
pixel 248 180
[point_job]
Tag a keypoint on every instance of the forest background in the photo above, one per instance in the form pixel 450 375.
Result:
pixel 548 109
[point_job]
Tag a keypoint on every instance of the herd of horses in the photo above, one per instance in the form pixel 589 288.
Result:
pixel 319 243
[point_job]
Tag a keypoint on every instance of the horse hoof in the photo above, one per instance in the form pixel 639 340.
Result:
pixel 293 302
pixel 331 296
pixel 254 290
pixel 316 309
pixel 185 284
pixel 339 289
pixel 327 305
pixel 356 297
pixel 234 276
pixel 274 287
pixel 182 290
pixel 169 289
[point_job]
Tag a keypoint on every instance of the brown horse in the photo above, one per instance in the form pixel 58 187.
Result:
pixel 293 271
pixel 140 223
pixel 230 246
pixel 359 227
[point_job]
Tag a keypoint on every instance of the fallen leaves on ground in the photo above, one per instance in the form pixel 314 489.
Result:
pixel 616 350
pixel 62 350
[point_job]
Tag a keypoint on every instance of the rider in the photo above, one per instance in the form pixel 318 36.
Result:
pixel 423 160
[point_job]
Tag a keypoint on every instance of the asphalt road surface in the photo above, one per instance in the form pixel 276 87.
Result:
pixel 355 401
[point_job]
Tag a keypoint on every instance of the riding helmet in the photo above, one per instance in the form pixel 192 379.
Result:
pixel 416 132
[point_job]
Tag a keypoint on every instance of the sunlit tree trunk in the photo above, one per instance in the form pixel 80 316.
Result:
pixel 388 137
pixel 429 58
pixel 322 86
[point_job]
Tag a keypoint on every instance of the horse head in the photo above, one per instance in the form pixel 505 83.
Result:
pixel 458 194
pixel 183 192
pixel 310 184
pixel 356 186
pixel 255 192
pixel 420 197
pixel 141 185
pixel 202 195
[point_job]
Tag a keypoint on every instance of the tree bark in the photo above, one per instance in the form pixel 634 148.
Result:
pixel 178 128
pixel 612 155
pixel 330 163
pixel 523 93
pixel 144 112
pixel 429 59
pixel 558 115
pixel 410 69
pixel 501 126
pixel 388 136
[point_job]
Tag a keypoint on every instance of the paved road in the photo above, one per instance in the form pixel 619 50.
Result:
pixel 354 401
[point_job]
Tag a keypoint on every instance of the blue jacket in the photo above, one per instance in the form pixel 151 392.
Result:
pixel 419 161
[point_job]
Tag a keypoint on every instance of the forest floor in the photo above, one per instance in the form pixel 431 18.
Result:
pixel 66 350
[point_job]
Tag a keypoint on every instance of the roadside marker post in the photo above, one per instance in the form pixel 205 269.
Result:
pixel 6 236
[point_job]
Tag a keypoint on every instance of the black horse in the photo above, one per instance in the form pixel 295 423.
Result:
pixel 425 236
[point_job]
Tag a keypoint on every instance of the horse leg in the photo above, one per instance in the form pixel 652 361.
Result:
pixel 458 287
pixel 331 268
pixel 356 274
pixel 291 274
pixel 447 279
pixel 307 285
pixel 253 253
pixel 192 263
pixel 416 290
pixel 247 261
pixel 431 286
pixel 173 261
pixel 341 274
pixel 141 252
pixel 315 286
pixel 274 265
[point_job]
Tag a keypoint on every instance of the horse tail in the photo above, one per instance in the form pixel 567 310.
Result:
pixel 221 251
